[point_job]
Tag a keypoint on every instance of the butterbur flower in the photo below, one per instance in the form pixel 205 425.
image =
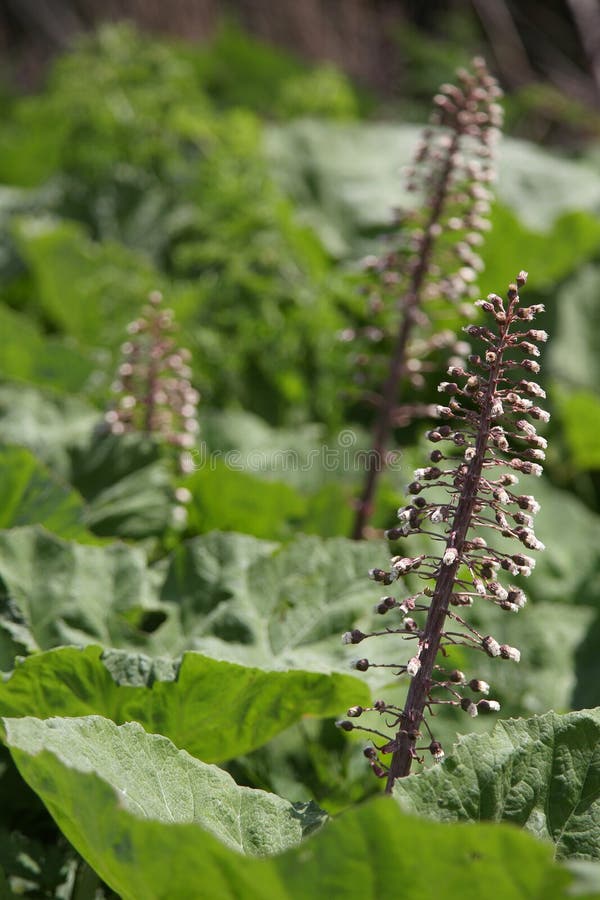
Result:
pixel 153 391
pixel 487 417
pixel 404 321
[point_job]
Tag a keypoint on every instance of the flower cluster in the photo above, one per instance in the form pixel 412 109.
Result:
pixel 433 257
pixel 153 388
pixel 465 497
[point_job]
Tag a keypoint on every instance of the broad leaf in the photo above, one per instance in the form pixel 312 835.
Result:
pixel 542 774
pixel 162 783
pixel 243 600
pixel 87 290
pixel 146 802
pixel 580 418
pixel 226 498
pixel 48 424
pixel 62 592
pixel 213 709
pixel 348 180
pixel 28 355
pixel 587 668
pixel 573 353
pixel 126 481
pixel 29 495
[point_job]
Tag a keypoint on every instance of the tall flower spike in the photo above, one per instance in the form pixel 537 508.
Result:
pixel 485 440
pixel 154 393
pixel 435 260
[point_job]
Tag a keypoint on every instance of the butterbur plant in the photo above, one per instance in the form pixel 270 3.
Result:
pixel 433 263
pixel 486 438
pixel 153 391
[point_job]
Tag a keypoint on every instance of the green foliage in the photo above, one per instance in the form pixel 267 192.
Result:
pixel 226 499
pixel 29 494
pixel 241 71
pixel 251 822
pixel 542 774
pixel 345 177
pixel 145 801
pixel 84 290
pixel 58 592
pixel 580 418
pixel 27 355
pixel 172 697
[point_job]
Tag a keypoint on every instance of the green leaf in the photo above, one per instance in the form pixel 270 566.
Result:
pixel 29 495
pixel 182 700
pixel 571 531
pixel 87 290
pixel 574 351
pixel 250 602
pixel 226 499
pixel 580 418
pixel 542 774
pixel 126 481
pixel 549 253
pixel 308 459
pixel 587 669
pixel 146 802
pixel 48 424
pixel 162 783
pixel 346 178
pixel 28 355
pixel 66 592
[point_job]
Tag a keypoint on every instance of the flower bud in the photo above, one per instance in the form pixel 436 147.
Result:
pixel 353 637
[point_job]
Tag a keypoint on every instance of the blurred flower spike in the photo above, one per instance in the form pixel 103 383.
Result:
pixel 154 394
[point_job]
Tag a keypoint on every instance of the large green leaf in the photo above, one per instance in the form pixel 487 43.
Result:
pixel 548 255
pixel 213 709
pixel 574 352
pixel 30 495
pixel 230 596
pixel 66 592
pixel 147 803
pixel 587 668
pixel 580 418
pixel 226 498
pixel 28 355
pixel 569 570
pixel 245 600
pixel 346 177
pixel 48 424
pixel 573 357
pixel 126 481
pixel 541 773
pixel 87 290
pixel 165 784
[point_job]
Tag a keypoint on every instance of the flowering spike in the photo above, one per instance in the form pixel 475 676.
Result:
pixel 488 418
pixel 154 393
pixel 435 259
